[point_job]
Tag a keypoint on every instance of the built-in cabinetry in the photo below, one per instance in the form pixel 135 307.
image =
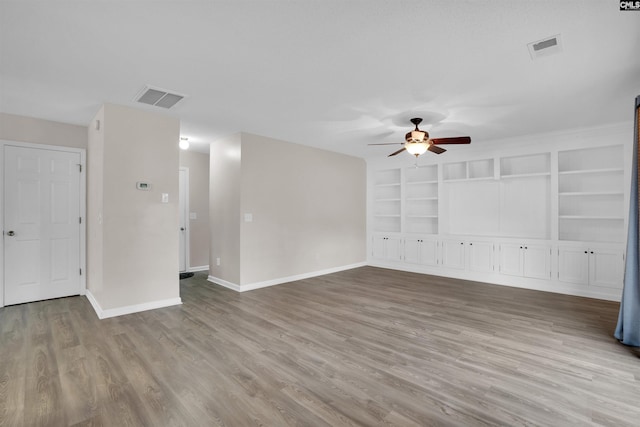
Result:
pixel 481 256
pixel 421 251
pixel 591 194
pixel 387 248
pixel 453 254
pixel 387 200
pixel 469 255
pixel 472 169
pixel 526 260
pixel 589 265
pixel 552 220
pixel 421 199
pixel 525 196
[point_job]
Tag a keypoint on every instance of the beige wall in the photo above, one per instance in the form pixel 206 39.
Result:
pixel 224 209
pixel 198 164
pixel 38 131
pixel 95 230
pixel 140 234
pixel 308 208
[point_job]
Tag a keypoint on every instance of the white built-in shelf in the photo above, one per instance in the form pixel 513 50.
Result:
pixel 469 170
pixel 387 200
pixel 591 190
pixel 421 182
pixel 597 159
pixel 525 166
pixel 420 210
pixel 592 193
pixel 454 171
pixel 481 178
pixel 614 218
pixel 387 176
pixel 591 171
pixel 480 169
pixel 525 175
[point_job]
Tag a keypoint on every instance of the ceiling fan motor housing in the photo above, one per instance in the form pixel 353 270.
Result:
pixel 416 136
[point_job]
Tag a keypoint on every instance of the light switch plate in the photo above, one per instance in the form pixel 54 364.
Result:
pixel 248 217
pixel 193 215
pixel 165 197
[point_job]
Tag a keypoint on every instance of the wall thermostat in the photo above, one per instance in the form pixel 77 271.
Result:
pixel 146 186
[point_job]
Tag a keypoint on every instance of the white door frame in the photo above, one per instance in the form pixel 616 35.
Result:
pixel 187 231
pixel 83 206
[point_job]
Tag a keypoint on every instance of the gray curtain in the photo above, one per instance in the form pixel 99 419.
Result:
pixel 628 329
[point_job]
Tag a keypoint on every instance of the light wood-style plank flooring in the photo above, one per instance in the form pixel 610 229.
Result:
pixel 364 347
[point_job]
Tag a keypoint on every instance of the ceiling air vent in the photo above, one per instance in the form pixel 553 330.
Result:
pixel 158 97
pixel 545 47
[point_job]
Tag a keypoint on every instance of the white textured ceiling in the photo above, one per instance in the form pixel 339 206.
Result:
pixel 332 74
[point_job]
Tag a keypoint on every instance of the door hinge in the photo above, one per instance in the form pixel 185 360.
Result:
pixel 80 166
pixel 79 220
pixel 81 272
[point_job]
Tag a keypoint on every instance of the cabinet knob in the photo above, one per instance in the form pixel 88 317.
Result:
pixel 526 247
pixel 585 252
pixel 470 244
pixel 591 251
pixel 520 247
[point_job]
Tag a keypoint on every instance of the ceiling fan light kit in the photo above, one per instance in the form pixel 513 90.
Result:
pixel 416 148
pixel 418 142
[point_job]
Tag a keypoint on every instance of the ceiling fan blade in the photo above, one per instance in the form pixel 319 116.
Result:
pixel 435 149
pixel 454 140
pixel 397 152
pixel 388 143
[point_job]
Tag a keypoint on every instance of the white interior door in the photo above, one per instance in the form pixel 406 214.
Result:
pixel 183 207
pixel 41 224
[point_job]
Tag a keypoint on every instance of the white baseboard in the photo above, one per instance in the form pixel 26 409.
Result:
pixel 129 309
pixel 199 268
pixel 224 283
pixel 281 280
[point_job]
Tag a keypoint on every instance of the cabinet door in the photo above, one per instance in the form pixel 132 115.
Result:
pixel 536 262
pixel 429 252
pixel 606 268
pixel 480 256
pixel 412 251
pixel 377 247
pixel 393 249
pixel 453 254
pixel 420 251
pixel 511 259
pixel 573 265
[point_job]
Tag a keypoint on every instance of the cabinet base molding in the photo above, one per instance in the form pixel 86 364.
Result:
pixel 550 285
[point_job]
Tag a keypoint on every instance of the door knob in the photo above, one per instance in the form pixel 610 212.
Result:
pixel 11 233
pixel 181 228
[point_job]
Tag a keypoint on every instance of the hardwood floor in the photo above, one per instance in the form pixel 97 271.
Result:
pixel 362 347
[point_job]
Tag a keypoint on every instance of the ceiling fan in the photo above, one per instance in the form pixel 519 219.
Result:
pixel 418 141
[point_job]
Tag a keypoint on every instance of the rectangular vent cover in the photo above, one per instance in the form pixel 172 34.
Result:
pixel 158 97
pixel 545 47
